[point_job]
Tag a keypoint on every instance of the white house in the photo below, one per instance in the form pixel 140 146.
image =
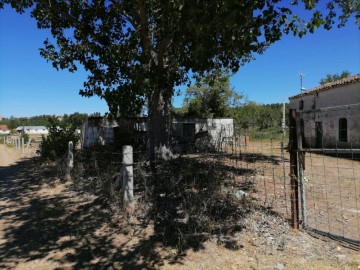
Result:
pixel 219 129
pixel 330 114
pixel 32 129
pixel 103 131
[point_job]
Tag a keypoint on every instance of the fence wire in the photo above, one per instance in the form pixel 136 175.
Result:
pixel 255 165
pixel 332 172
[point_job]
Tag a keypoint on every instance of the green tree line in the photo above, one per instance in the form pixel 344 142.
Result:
pixel 75 119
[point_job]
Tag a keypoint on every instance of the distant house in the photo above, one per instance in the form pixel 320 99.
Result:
pixel 330 114
pixel 4 129
pixel 218 129
pixel 103 131
pixel 32 130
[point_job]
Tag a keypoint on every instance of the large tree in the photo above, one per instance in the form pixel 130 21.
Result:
pixel 211 96
pixel 140 50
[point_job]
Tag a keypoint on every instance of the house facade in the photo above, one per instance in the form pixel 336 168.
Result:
pixel 330 114
pixel 218 129
pixel 32 130
pixel 103 131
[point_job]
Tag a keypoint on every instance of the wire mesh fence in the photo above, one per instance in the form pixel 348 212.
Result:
pixel 250 164
pixel 202 182
pixel 331 173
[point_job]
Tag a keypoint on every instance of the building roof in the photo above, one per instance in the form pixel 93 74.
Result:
pixel 30 127
pixel 330 85
pixel 4 127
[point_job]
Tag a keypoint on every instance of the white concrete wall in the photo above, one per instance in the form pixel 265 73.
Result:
pixel 343 95
pixel 102 131
pixel 218 128
pixel 329 118
pixel 328 107
pixel 36 131
pixel 93 134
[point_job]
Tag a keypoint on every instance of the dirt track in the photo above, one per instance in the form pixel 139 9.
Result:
pixel 8 155
pixel 46 225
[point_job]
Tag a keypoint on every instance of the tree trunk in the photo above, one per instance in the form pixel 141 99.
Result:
pixel 159 126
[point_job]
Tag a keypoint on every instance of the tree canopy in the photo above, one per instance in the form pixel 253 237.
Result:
pixel 335 77
pixel 140 50
pixel 211 96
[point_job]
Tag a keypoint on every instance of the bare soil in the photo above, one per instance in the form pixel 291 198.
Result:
pixel 45 224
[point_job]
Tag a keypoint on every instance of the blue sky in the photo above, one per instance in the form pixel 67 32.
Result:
pixel 30 86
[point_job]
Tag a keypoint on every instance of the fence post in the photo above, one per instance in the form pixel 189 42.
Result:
pixel 28 145
pixel 301 168
pixel 128 177
pixel 294 195
pixel 70 160
pixel 22 145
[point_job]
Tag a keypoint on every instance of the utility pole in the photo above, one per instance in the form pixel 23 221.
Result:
pixel 283 118
pixel 302 89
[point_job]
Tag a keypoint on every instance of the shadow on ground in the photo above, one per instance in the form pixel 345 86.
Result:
pixel 67 227
pixel 61 226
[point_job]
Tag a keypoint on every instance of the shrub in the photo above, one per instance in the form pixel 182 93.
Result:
pixel 25 136
pixel 55 145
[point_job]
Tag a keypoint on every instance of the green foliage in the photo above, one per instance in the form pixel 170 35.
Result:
pixel 76 119
pixel 55 145
pixel 178 112
pixel 25 136
pixel 12 122
pixel 258 117
pixel 140 50
pixel 211 96
pixel 42 120
pixel 335 77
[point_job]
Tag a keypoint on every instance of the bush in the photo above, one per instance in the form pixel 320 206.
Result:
pixel 55 145
pixel 25 136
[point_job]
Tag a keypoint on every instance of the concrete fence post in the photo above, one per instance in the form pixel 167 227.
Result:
pixel 28 145
pixel 128 177
pixel 70 160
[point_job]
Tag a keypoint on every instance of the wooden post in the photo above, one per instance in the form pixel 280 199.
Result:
pixel 70 160
pixel 128 177
pixel 294 195
pixel 22 145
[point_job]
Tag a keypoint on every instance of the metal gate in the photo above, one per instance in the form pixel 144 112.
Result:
pixel 325 150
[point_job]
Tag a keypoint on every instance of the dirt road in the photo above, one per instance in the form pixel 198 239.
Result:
pixel 8 155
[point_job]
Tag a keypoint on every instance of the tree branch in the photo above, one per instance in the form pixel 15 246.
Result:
pixel 144 30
